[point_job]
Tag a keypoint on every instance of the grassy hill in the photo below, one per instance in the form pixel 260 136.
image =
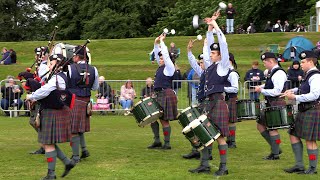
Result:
pixel 128 58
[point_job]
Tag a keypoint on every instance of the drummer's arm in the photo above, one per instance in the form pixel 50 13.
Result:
pixel 156 50
pixel 278 79
pixel 314 93
pixel 233 78
pixel 194 64
pixel 169 68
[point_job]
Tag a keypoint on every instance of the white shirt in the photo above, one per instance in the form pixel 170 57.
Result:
pixel 194 64
pixel 43 68
pixel 169 66
pixel 46 89
pixel 278 79
pixel 233 78
pixel 95 85
pixel 314 89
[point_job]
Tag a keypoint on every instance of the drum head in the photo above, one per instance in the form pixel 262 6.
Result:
pixel 195 123
pixel 150 119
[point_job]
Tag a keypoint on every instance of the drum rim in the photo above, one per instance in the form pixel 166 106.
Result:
pixel 157 112
pixel 195 123
pixel 185 109
pixel 217 136
pixel 185 129
pixel 209 142
pixel 200 148
pixel 201 116
pixel 144 99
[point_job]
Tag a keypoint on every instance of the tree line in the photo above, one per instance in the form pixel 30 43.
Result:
pixel 104 19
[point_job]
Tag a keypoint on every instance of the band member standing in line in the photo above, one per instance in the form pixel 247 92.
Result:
pixel 83 78
pixel 165 95
pixel 307 121
pixel 271 90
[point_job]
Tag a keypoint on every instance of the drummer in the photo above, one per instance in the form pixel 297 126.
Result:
pixel 199 68
pixel 271 90
pixel 165 95
pixel 216 77
pixel 231 97
pixel 307 122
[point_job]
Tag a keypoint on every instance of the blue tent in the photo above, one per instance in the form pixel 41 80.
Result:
pixel 295 46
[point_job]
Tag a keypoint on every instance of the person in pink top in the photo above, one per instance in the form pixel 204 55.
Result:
pixel 127 95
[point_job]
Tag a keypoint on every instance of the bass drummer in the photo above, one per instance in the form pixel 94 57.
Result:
pixel 307 122
pixel 275 84
pixel 164 93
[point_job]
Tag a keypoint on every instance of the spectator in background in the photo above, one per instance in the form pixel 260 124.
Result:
pixel 295 74
pixel 148 91
pixel 174 51
pixel 255 77
pixel 104 90
pixel 230 11
pixel 299 28
pixel 277 27
pixel 177 76
pixel 286 26
pixel 268 27
pixel 11 95
pixel 251 29
pixel 13 56
pixel 6 57
pixel 127 95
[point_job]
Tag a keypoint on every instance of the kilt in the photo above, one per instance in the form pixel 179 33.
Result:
pixel 219 113
pixel 307 125
pixel 232 106
pixel 168 102
pixel 54 126
pixel 80 121
pixel 278 102
pixel 33 115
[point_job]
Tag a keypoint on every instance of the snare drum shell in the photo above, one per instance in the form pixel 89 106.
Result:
pixel 248 109
pixel 146 111
pixel 279 117
pixel 188 115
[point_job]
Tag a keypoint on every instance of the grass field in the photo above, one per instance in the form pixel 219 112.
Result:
pixel 118 151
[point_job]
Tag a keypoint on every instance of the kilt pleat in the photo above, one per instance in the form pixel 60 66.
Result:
pixel 219 113
pixel 307 125
pixel 54 126
pixel 80 121
pixel 232 106
pixel 168 102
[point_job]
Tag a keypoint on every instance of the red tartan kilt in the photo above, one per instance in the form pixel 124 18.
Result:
pixel 232 106
pixel 219 113
pixel 168 102
pixel 54 126
pixel 80 122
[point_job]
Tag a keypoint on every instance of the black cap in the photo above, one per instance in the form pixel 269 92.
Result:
pixel 215 47
pixel 267 55
pixel 80 52
pixel 295 62
pixel 307 54
pixel 37 50
pixel 159 53
pixel 58 57
pixel 200 56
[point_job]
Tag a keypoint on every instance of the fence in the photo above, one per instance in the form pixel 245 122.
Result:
pixel 111 90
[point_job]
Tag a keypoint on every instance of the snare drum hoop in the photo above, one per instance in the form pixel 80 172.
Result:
pixel 141 124
pixel 183 111
pixel 200 148
pixel 141 101
pixel 186 129
pixel 202 118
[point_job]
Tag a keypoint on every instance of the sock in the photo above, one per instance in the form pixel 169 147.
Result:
pixel 265 134
pixel 166 133
pixel 82 142
pixel 297 149
pixel 232 134
pixel 75 142
pixel 223 153
pixel 51 160
pixel 155 130
pixel 313 157
pixel 275 144
pixel 205 157
pixel 61 156
pixel 210 150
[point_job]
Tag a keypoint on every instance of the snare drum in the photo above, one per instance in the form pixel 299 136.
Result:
pixel 146 111
pixel 187 115
pixel 278 117
pixel 204 130
pixel 248 109
pixel 194 140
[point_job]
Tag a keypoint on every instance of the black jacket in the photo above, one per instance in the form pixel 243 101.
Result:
pixel 254 72
pixel 293 77
pixel 105 90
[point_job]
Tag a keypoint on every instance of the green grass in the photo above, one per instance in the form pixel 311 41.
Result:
pixel 118 151
pixel 128 58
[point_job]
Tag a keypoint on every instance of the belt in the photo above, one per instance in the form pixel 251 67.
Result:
pixel 159 89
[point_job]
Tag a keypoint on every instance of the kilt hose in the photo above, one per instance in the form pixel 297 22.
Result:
pixel 219 113
pixel 54 126
pixel 278 102
pixel 232 106
pixel 307 124
pixel 80 121
pixel 168 102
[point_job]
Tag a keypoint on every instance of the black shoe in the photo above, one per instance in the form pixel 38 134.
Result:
pixel 39 151
pixel 222 170
pixel 75 160
pixel 49 177
pixel 200 169
pixel 191 155
pixel 155 145
pixel 294 169
pixel 280 151
pixel 210 158
pixel 272 157
pixel 311 170
pixel 232 145
pixel 68 168
pixel 166 147
pixel 84 154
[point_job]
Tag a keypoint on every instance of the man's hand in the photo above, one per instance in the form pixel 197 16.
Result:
pixel 299 78
pixel 257 89
pixel 190 45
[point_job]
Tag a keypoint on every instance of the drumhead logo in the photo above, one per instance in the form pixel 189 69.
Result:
pixel 63 97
